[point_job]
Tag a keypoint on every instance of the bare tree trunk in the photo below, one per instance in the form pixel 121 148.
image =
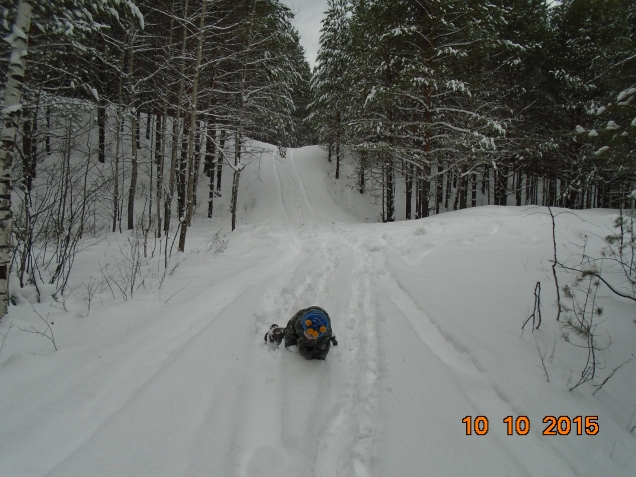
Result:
pixel 210 160
pixel 162 124
pixel 237 177
pixel 503 184
pixel 463 188
pixel 439 189
pixel 210 151
pixel 338 145
pixel 18 41
pixel 417 184
pixel 116 185
pixel 390 196
pixel 183 170
pixel 197 160
pixel 118 142
pixel 160 134
pixel 383 194
pixel 101 123
pixel 457 186
pixel 519 188
pixel 388 160
pixel 409 189
pixel 173 172
pixel 134 134
pixel 138 127
pixel 175 124
pixel 27 146
pixel 449 183
pixel 409 174
pixel 146 231
pixel 193 128
pixel 239 132
pixel 48 130
pixel 31 151
pixel 424 191
pixel 219 165
pixel 363 165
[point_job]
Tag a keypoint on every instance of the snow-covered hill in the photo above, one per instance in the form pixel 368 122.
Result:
pixel 178 381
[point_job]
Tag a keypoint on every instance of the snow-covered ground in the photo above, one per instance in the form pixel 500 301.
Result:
pixel 178 381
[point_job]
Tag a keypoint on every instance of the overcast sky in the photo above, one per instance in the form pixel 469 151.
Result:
pixel 308 16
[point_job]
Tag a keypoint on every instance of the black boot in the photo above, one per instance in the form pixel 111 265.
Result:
pixel 275 335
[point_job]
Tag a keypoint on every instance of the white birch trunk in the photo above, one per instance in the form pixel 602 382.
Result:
pixel 10 117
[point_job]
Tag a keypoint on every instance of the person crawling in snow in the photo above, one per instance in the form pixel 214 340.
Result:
pixel 309 331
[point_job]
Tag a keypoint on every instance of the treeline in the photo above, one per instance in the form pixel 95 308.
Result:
pixel 111 89
pixel 516 102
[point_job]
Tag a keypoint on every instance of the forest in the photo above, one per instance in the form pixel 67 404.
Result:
pixel 523 101
pixel 452 182
pixel 114 112
pixel 100 94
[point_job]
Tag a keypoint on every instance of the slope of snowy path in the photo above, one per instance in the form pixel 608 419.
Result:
pixel 427 314
pixel 295 205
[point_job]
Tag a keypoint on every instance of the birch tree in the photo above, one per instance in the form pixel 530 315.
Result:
pixel 10 117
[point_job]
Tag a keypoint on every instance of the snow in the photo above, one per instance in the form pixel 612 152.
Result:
pixel 16 34
pixel 135 12
pixel 12 109
pixel 179 382
pixel 624 94
pixel 114 12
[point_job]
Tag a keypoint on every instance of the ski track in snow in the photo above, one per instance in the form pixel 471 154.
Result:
pixel 351 429
pixel 298 181
pixel 529 456
pixel 342 431
pixel 292 193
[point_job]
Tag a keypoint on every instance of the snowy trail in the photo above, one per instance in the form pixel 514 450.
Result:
pixel 288 189
pixel 188 387
pixel 337 276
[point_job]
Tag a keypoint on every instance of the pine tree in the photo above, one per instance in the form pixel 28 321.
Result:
pixel 590 38
pixel 330 89
pixel 409 107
